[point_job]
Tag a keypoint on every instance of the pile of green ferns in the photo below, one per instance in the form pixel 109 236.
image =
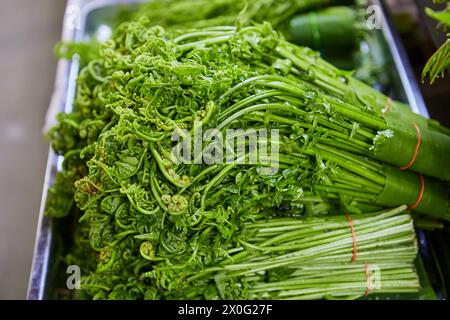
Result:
pixel 151 228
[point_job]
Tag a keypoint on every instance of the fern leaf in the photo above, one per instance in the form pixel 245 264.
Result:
pixel 438 62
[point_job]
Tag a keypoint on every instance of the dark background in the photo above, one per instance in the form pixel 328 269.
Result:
pixel 420 38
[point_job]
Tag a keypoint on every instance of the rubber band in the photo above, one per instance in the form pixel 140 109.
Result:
pixel 368 283
pixel 416 150
pixel 352 228
pixel 387 105
pixel 419 198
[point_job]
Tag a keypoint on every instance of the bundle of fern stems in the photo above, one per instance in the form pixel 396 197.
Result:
pixel 342 120
pixel 152 228
pixel 289 258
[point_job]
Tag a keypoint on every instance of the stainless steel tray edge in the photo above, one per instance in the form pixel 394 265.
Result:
pixel 59 102
pixel 401 61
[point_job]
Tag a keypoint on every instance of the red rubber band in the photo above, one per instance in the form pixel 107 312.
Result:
pixel 387 105
pixel 416 151
pixel 368 284
pixel 419 198
pixel 352 228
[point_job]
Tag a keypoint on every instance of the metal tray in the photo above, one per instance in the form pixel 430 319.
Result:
pixel 86 19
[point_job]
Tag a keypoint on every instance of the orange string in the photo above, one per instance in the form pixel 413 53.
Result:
pixel 387 105
pixel 419 198
pixel 416 151
pixel 352 228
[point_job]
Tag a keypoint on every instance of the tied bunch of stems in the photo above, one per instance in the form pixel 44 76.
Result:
pixel 150 226
pixel 285 258
pixel 331 111
pixel 317 125
pixel 379 127
pixel 188 14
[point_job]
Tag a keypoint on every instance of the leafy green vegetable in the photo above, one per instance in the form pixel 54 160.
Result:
pixel 289 258
pixel 162 229
pixel 183 14
pixel 441 16
pixel 440 60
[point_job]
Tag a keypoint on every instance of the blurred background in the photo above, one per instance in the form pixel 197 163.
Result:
pixel 28 33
